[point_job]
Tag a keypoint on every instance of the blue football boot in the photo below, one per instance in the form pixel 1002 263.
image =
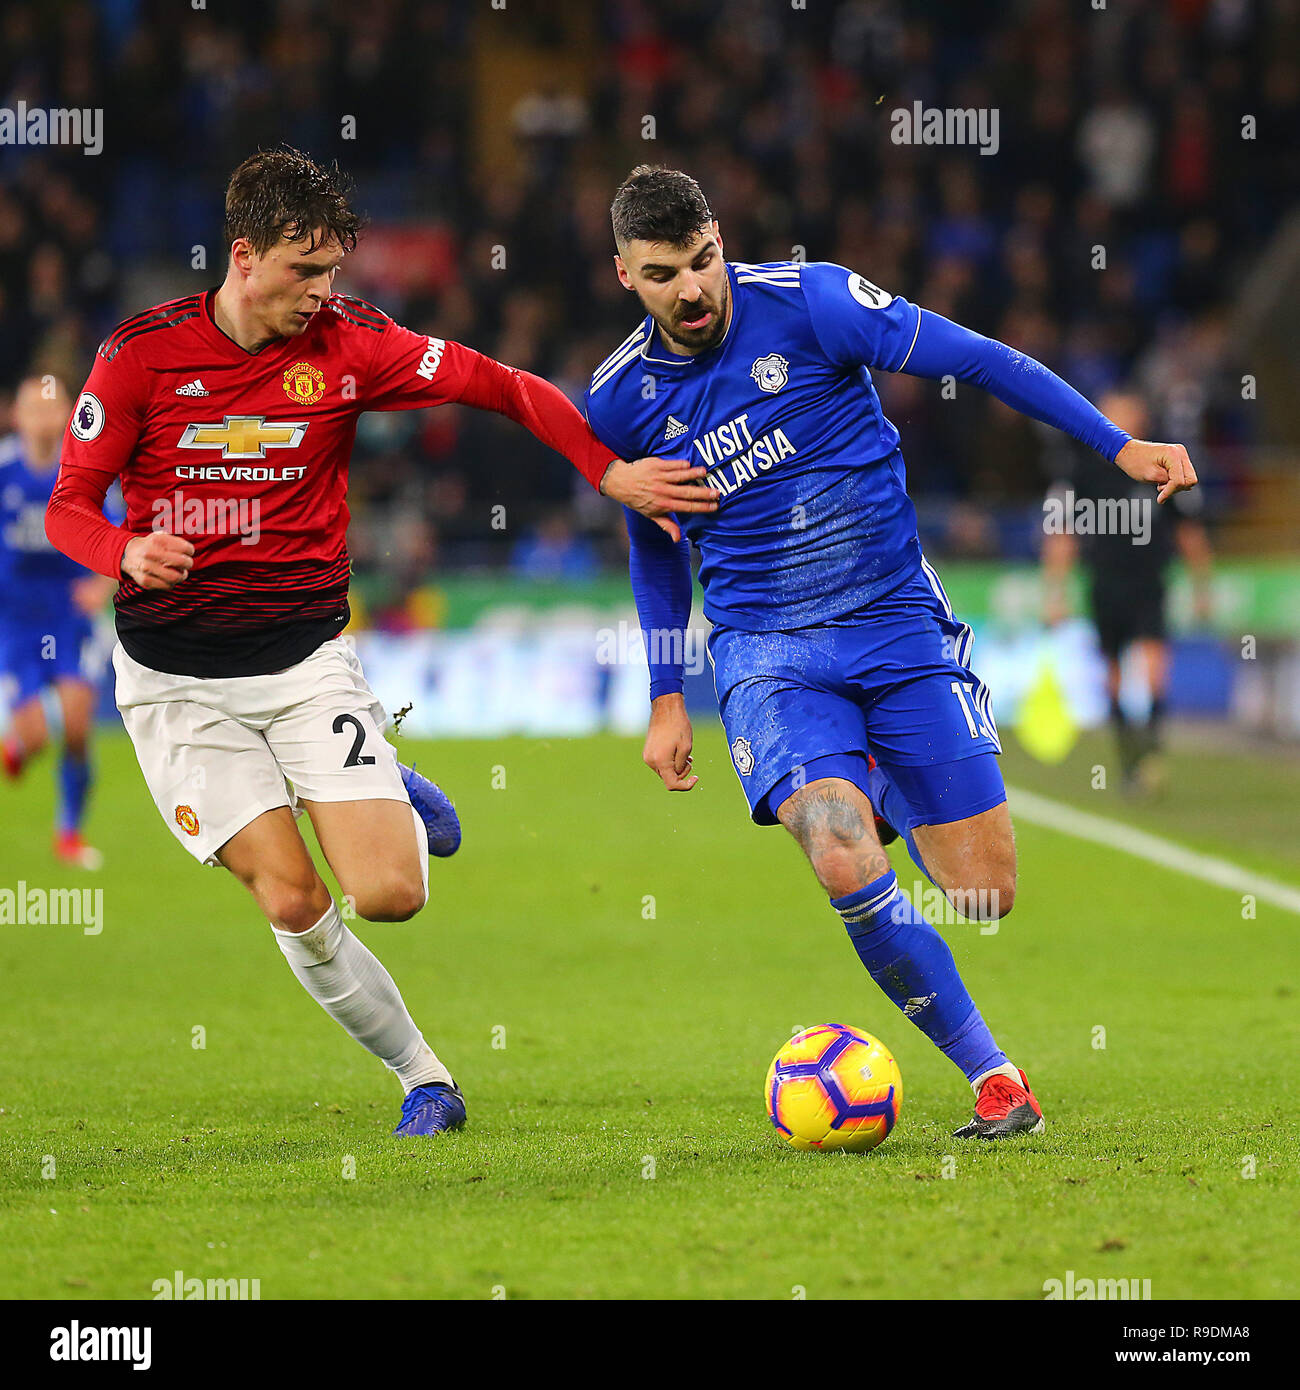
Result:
pixel 431 1110
pixel 434 808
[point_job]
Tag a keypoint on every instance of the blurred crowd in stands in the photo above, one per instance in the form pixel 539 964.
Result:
pixel 1119 128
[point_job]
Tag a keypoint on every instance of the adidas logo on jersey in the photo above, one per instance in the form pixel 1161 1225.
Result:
pixel 193 388
pixel 675 427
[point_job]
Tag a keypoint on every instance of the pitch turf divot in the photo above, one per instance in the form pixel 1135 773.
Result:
pixel 1056 815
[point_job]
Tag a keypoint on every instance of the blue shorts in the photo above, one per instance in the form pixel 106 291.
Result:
pixel 35 653
pixel 893 680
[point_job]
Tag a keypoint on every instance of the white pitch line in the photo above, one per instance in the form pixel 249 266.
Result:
pixel 1056 815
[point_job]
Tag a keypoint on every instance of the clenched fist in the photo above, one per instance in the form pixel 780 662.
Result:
pixel 668 743
pixel 158 560
pixel 1165 465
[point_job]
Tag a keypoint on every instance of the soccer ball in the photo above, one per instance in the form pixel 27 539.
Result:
pixel 834 1087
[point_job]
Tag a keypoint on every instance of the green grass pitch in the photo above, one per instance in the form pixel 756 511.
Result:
pixel 608 970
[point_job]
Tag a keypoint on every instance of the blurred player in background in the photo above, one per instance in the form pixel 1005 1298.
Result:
pixel 47 612
pixel 842 676
pixel 1126 560
pixel 230 417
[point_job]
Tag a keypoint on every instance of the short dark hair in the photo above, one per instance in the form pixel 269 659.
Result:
pixel 284 192
pixel 658 204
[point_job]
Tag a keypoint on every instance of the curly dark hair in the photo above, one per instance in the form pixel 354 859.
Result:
pixel 285 193
pixel 658 204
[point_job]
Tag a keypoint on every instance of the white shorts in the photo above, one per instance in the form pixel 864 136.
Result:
pixel 217 753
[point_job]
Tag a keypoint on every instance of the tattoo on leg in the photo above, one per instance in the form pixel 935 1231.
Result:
pixel 825 812
pixel 824 820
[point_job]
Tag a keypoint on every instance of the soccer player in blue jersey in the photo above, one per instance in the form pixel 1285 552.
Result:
pixel 843 677
pixel 45 619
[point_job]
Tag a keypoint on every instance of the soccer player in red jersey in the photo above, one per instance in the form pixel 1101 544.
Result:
pixel 229 417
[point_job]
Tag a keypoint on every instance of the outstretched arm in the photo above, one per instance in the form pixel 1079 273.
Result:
pixel 859 324
pixel 943 348
pixel 409 370
pixel 660 570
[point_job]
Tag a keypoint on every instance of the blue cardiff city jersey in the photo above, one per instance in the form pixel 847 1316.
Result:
pixel 813 521
pixel 36 577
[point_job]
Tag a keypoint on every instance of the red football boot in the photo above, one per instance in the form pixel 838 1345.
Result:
pixel 72 849
pixel 11 757
pixel 1002 1109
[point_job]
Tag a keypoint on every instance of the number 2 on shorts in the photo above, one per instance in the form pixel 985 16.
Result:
pixel 355 757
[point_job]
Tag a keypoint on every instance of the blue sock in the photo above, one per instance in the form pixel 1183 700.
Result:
pixel 911 962
pixel 887 801
pixel 74 784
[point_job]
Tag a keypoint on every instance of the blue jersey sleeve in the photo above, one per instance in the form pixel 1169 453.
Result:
pixel 943 348
pixel 601 421
pixel 857 323
pixel 660 569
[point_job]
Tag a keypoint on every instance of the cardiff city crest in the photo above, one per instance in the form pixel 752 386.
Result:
pixel 743 756
pixel 771 372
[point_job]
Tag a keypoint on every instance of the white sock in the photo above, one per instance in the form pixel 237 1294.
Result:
pixel 1006 1069
pixel 351 985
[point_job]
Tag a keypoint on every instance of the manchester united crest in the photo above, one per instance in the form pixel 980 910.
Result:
pixel 187 820
pixel 304 383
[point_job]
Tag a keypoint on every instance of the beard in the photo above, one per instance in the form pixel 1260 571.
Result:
pixel 699 339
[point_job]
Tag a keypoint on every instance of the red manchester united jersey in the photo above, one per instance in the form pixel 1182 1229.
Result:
pixel 245 455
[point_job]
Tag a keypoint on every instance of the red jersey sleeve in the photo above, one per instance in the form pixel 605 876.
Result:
pixel 411 370
pixel 100 438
